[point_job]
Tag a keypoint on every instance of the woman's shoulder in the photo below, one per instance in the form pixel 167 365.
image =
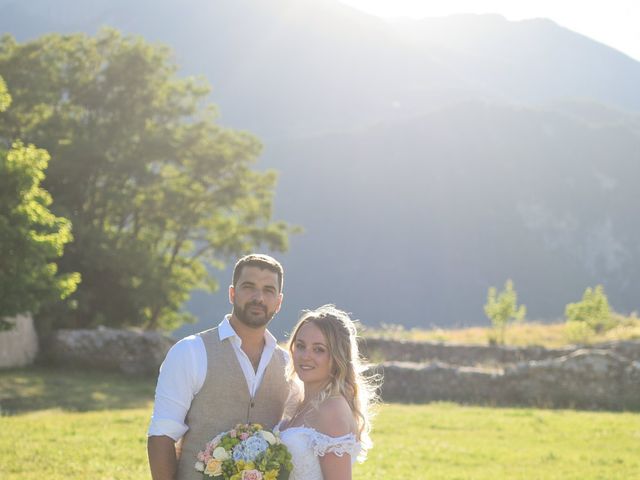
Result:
pixel 335 429
pixel 335 417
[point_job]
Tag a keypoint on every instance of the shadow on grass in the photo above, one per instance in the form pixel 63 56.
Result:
pixel 42 388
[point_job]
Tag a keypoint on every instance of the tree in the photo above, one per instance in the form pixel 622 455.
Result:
pixel 5 98
pixel 156 190
pixel 502 308
pixel 589 316
pixel 31 237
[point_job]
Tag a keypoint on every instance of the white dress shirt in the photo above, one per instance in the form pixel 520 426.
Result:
pixel 183 372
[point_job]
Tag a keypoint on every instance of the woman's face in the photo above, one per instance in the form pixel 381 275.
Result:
pixel 311 358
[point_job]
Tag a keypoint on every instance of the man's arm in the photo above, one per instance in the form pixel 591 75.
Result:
pixel 179 380
pixel 162 457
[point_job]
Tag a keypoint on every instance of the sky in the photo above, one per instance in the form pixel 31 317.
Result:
pixel 615 23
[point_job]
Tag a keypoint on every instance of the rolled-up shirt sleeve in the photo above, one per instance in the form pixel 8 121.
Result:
pixel 181 377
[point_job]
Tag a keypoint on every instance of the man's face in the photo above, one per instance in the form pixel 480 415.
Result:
pixel 255 297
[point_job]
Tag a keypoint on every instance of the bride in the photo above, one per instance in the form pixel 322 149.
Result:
pixel 329 429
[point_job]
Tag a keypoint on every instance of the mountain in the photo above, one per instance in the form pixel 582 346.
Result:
pixel 295 67
pixel 413 222
pixel 427 160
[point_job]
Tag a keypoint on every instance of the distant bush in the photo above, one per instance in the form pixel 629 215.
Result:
pixel 579 333
pixel 502 308
pixel 590 316
pixel 390 331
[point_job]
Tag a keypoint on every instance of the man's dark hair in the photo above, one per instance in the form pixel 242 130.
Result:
pixel 264 262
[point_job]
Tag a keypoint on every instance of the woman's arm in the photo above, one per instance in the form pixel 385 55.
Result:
pixel 335 420
pixel 335 467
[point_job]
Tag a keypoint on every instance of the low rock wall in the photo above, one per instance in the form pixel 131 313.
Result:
pixel 379 349
pixel 604 377
pixel 582 379
pixel 130 352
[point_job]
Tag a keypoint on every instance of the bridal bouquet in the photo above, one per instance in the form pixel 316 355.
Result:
pixel 247 452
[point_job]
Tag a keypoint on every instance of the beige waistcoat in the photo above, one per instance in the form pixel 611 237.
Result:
pixel 224 400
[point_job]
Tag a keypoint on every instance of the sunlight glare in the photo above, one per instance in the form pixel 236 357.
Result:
pixel 614 23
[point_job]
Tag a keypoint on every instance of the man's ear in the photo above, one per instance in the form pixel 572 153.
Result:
pixel 232 294
pixel 281 296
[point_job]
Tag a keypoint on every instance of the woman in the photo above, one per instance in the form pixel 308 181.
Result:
pixel 330 427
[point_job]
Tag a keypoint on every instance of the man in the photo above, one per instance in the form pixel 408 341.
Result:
pixel 234 373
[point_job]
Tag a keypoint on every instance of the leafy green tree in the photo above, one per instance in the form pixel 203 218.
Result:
pixel 502 308
pixel 5 98
pixel 592 312
pixel 156 190
pixel 31 237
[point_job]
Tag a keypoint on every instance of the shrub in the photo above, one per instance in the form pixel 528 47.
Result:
pixel 502 308
pixel 579 332
pixel 593 311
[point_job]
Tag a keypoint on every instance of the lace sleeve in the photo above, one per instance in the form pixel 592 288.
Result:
pixel 323 444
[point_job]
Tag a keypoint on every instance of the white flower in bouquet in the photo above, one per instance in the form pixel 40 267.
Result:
pixel 220 454
pixel 269 437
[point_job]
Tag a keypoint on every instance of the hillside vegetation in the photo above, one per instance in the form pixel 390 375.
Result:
pixel 550 335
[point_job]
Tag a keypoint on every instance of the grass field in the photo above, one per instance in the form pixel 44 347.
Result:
pixel 77 425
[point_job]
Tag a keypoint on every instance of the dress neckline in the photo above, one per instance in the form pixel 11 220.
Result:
pixel 304 427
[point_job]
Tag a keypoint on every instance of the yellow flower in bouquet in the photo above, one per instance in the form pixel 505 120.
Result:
pixel 213 468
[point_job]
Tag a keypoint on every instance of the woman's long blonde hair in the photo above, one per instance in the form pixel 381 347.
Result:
pixel 347 367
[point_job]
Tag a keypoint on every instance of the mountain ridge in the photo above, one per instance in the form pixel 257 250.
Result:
pixel 426 160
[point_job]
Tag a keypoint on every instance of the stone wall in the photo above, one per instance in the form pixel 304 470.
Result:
pixel 129 352
pixel 379 349
pixel 606 376
pixel 18 346
pixel 587 378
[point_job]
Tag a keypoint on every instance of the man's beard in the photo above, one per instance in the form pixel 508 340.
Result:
pixel 252 320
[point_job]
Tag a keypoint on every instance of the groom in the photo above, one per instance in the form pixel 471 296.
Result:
pixel 211 381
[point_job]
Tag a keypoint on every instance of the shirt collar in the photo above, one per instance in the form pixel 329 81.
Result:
pixel 225 330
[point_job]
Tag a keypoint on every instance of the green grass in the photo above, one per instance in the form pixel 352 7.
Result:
pixel 59 424
pixel 76 425
pixel 40 388
pixel 54 444
pixel 447 441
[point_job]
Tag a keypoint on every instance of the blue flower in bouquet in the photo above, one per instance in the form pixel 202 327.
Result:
pixel 250 449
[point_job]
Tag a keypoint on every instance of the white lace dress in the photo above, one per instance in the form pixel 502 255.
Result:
pixel 307 444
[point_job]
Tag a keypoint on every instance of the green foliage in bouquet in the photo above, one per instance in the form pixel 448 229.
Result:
pixel 247 452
